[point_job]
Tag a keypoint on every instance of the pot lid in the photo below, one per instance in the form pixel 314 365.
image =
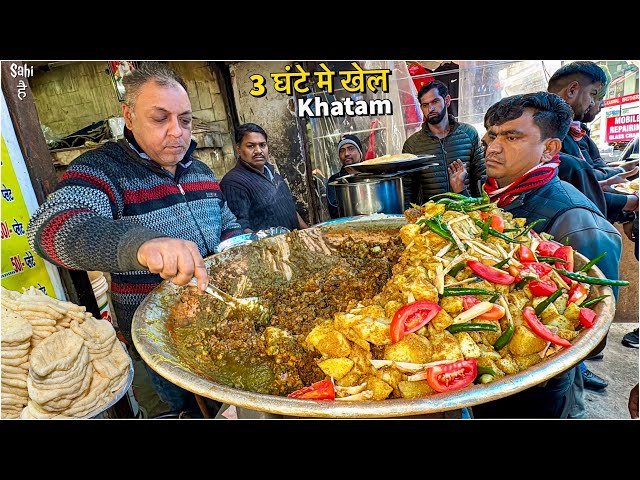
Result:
pixel 379 165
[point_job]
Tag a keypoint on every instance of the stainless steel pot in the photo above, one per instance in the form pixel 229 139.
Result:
pixel 363 195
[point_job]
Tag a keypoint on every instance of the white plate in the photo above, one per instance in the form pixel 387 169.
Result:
pixel 624 188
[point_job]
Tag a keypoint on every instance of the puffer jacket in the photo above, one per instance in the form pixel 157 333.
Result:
pixel 463 142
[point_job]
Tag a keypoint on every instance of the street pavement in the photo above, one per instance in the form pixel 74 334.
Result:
pixel 620 367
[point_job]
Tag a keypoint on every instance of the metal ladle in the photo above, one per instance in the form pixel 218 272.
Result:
pixel 250 305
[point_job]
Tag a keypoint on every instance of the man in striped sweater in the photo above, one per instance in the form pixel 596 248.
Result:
pixel 142 208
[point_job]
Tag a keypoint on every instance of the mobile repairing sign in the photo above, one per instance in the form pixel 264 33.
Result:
pixel 622 128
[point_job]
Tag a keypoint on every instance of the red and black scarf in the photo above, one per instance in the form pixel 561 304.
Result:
pixel 576 131
pixel 539 175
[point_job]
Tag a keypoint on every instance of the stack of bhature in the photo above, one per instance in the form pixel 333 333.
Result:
pixel 46 314
pixel 109 358
pixel 59 374
pixel 63 362
pixel 16 343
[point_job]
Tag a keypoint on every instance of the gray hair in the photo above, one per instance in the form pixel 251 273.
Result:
pixel 145 72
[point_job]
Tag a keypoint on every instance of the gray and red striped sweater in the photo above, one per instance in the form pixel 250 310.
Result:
pixel 110 201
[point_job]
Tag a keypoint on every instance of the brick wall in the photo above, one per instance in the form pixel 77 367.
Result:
pixel 72 95
pixel 215 148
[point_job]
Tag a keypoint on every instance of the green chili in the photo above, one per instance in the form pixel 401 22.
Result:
pixel 456 196
pixel 456 292
pixel 593 301
pixel 485 196
pixel 438 226
pixel 494 298
pixel 587 266
pixel 526 228
pixel 502 263
pixel 483 206
pixel 472 327
pixel 482 370
pixel 485 228
pixel 548 301
pixel 542 258
pixel 496 233
pixel 504 338
pixel 592 280
pixel 520 285
pixel 456 269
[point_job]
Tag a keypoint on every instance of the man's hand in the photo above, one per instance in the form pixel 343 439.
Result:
pixel 627 165
pixel 457 176
pixel 620 178
pixel 174 259
pixel 633 402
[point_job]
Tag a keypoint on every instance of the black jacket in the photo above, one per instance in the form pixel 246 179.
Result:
pixel 585 176
pixel 463 142
pixel 591 154
pixel 258 202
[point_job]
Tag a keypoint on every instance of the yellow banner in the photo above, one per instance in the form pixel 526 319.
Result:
pixel 21 267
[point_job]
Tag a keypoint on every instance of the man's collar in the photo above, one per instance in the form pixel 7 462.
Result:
pixel 267 166
pixel 453 123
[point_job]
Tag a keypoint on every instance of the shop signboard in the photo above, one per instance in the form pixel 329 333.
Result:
pixel 21 266
pixel 622 128
pixel 627 104
pixel 610 102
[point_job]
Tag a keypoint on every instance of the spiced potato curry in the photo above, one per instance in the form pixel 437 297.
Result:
pixel 456 296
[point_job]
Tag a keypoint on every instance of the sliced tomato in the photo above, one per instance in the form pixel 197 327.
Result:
pixel 539 328
pixel 496 313
pixel 577 294
pixel 547 248
pixel 526 254
pixel 587 317
pixel 497 222
pixel 452 376
pixel 540 269
pixel 543 287
pixel 494 275
pixel 565 253
pixel 412 317
pixel 322 390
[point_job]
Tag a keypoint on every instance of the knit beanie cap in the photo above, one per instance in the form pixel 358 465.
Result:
pixel 353 140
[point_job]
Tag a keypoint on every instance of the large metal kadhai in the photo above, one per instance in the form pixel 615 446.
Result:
pixel 391 166
pixel 152 337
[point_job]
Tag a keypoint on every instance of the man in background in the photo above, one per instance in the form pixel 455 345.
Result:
pixel 449 141
pixel 579 84
pixel 257 195
pixel 583 85
pixel 350 152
